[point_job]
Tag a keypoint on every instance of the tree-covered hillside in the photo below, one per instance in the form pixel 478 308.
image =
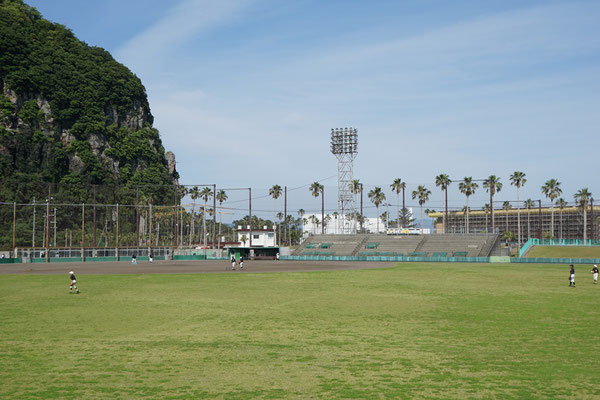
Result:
pixel 69 113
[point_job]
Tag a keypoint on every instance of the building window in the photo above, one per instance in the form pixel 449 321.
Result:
pixel 270 235
pixel 255 236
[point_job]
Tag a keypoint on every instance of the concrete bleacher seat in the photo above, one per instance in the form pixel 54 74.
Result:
pixel 341 245
pixel 436 245
pixel 402 244
pixel 472 245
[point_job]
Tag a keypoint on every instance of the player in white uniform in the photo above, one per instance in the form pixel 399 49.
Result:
pixel 73 283
pixel 595 274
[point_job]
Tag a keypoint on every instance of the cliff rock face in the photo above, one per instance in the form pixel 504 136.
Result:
pixel 69 113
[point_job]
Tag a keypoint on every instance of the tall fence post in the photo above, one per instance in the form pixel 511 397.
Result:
pixel 118 257
pixel 48 225
pixel 83 232
pixel 14 227
pixel 540 219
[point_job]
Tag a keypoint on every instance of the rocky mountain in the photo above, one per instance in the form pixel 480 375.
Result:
pixel 69 113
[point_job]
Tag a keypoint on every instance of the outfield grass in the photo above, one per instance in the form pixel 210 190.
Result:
pixel 565 251
pixel 416 330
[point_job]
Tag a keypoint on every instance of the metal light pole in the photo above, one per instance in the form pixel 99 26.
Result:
pixel 344 145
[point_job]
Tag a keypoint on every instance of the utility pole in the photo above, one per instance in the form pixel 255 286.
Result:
pixel 592 219
pixel 175 190
pixel 137 215
pixel 150 225
pixel 54 226
pixel 540 219
pixel 95 243
pixel 214 215
pixel 285 219
pixel 250 214
pixel 82 232
pixel 323 210
pixel 33 229
pixel 14 227
pixel 118 255
pixel 361 208
pixel 48 225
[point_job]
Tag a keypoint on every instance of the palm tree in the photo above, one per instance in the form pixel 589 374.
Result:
pixel 397 186
pixel 316 188
pixel 384 217
pixel 506 206
pixel 311 219
pixel 335 215
pixel 377 197
pixel 301 213
pixel 422 193
pixel 467 187
pixel 221 197
pixel 517 179
pixel 529 204
pixel 582 197
pixel 552 190
pixel 194 194
pixel 486 211
pixel 355 188
pixel 493 185
pixel 443 181
pixel 326 221
pixel 275 192
pixel 562 203
pixel 205 194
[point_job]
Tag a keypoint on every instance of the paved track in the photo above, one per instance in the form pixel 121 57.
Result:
pixel 186 267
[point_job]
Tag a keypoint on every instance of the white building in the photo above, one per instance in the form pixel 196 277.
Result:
pixel 260 237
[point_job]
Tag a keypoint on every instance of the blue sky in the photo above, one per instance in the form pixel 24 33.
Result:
pixel 245 92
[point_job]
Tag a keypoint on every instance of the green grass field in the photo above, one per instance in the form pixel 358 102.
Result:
pixel 416 330
pixel 565 251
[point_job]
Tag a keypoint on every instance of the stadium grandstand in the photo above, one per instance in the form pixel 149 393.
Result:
pixel 443 245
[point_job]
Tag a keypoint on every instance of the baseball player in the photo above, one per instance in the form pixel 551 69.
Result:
pixel 73 283
pixel 572 276
pixel 241 262
pixel 233 262
pixel 595 274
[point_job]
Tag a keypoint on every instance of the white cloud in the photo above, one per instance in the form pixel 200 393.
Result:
pixel 160 43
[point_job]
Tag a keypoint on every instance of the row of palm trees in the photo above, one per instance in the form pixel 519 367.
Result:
pixel 468 186
pixel 206 193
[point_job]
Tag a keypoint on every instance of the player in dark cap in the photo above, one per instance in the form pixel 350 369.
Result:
pixel 572 276
pixel 73 283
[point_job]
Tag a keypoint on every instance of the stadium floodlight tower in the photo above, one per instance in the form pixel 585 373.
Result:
pixel 344 145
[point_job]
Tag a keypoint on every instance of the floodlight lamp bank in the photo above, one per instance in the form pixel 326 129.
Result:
pixel 344 140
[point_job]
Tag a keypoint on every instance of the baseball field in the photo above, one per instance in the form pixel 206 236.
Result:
pixel 183 330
